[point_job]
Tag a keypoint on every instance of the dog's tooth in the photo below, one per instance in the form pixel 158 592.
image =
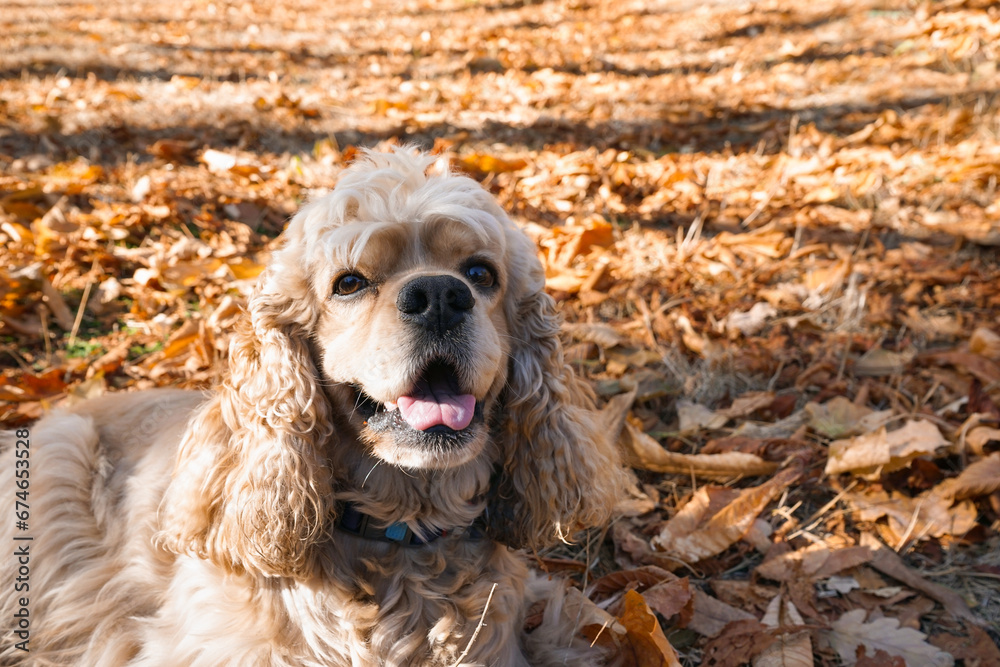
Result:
pixel 390 406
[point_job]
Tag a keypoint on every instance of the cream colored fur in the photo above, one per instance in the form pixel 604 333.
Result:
pixel 176 528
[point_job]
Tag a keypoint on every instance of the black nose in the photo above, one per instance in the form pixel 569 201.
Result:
pixel 436 303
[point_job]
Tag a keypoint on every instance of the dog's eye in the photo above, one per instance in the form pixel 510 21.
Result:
pixel 481 275
pixel 348 284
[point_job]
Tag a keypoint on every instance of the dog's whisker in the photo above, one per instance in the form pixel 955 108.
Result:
pixel 377 463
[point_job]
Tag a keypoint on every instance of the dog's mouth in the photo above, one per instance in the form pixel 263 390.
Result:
pixel 435 405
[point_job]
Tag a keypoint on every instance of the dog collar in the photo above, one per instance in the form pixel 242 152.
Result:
pixel 351 520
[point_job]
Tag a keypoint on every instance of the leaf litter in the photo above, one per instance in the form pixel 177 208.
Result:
pixel 772 229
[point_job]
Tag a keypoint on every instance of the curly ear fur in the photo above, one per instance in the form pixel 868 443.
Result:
pixel 560 471
pixel 250 489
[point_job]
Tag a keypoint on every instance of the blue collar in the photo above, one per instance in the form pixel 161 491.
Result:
pixel 351 520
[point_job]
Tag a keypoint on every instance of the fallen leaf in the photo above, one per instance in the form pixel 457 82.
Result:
pixel 711 615
pixel 872 454
pixel 840 417
pixel 639 578
pixel 977 438
pixel 750 322
pixel 645 645
pixel 878 362
pixel 670 598
pixel 693 533
pixel 738 643
pixel 791 649
pixel 980 478
pixel 850 631
pixel 986 343
pixel 975 648
pixel 602 334
pixel 888 562
pixel 694 417
pixel 815 561
pixel 931 514
pixel 646 453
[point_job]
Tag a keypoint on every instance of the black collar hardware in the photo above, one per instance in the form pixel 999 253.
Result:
pixel 353 521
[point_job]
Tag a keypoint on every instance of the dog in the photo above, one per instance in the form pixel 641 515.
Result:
pixel 396 426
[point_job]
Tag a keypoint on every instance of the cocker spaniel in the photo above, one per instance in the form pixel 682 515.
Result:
pixel 396 422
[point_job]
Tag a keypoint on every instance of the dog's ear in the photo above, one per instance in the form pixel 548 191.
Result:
pixel 560 471
pixel 250 488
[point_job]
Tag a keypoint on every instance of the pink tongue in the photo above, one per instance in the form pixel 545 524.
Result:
pixel 433 404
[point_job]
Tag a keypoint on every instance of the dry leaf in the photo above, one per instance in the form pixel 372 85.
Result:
pixel 815 561
pixel 877 362
pixel 602 334
pixel 985 342
pixel 839 417
pixel 711 615
pixel 872 454
pixel 792 649
pixel 645 644
pixel 748 403
pixel 931 514
pixel 694 417
pixel 639 578
pixel 692 534
pixel 977 438
pixel 980 478
pixel 750 322
pixel 850 631
pixel 886 561
pixel 646 453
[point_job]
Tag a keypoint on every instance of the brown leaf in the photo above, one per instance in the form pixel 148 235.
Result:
pixel 886 561
pixel 480 164
pixel 639 578
pixel 931 514
pixel 645 644
pixel 879 659
pixel 839 418
pixel 671 598
pixel 638 549
pixel 790 649
pixel 977 646
pixel 850 631
pixel 977 438
pixel 815 561
pixel 986 343
pixel 711 615
pixel 872 454
pixel 694 533
pixel 32 387
pixel 646 453
pixel 987 370
pixel 980 478
pixel 738 643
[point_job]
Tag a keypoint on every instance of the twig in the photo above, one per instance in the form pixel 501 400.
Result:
pixel 598 635
pixel 818 514
pixel 79 313
pixel 482 622
pixel 910 527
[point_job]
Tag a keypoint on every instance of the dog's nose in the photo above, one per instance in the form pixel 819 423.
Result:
pixel 436 303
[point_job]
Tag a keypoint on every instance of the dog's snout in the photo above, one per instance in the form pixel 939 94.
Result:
pixel 437 303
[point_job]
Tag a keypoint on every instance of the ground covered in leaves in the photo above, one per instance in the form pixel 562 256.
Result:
pixel 773 228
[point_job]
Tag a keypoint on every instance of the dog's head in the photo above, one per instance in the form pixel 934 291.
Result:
pixel 410 273
pixel 403 316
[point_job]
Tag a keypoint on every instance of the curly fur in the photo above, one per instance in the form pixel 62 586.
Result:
pixel 175 528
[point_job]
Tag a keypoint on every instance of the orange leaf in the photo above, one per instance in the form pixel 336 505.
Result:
pixel 478 163
pixel 645 643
